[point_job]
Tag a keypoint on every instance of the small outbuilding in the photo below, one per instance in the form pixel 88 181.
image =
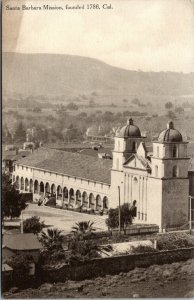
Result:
pixel 15 244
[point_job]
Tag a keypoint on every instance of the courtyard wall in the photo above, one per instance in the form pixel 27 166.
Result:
pixel 113 265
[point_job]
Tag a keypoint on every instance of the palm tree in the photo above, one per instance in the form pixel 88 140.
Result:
pixel 52 239
pixel 83 228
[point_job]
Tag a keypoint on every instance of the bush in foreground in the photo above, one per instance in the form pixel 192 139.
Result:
pixel 141 249
pixel 33 225
pixel 170 241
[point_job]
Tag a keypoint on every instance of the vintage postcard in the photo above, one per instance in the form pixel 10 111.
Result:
pixel 97 149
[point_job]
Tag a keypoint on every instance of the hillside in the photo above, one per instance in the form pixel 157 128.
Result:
pixel 56 75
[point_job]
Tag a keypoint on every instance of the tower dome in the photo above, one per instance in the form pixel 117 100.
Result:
pixel 129 130
pixel 170 135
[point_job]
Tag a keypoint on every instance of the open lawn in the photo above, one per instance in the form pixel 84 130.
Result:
pixel 63 219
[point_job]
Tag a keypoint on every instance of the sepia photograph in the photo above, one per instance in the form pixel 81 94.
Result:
pixel 97 148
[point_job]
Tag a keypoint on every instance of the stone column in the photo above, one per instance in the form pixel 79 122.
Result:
pixel 131 177
pixel 124 187
pixel 146 182
pixel 142 209
pixel 139 212
pixel 128 188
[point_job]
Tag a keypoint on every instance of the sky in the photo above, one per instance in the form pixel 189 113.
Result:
pixel 147 35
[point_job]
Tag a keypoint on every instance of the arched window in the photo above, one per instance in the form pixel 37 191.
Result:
pixel 78 198
pixel 53 190
pixel 36 187
pixel 71 194
pixel 174 151
pixel 98 202
pixel 17 184
pixel 65 194
pixel 47 189
pixel 175 171
pixel 85 199
pixel 59 192
pixel 26 184
pixel 22 183
pixel 105 203
pixel 135 180
pixel 91 201
pixel 31 186
pixel 41 188
pixel 156 171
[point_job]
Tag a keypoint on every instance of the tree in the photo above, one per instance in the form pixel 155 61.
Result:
pixel 20 133
pixel 168 105
pixel 12 201
pixel 171 115
pixel 136 101
pixel 72 106
pixel 126 113
pixel 83 228
pixel 179 110
pixel 52 239
pixel 37 109
pixel 33 225
pixel 113 217
pixel 83 250
pixel 6 136
pixel 21 265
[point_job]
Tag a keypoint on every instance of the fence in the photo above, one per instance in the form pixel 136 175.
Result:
pixel 113 265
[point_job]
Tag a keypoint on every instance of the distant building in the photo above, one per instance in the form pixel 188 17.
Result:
pixel 11 156
pixel 97 134
pixel 158 181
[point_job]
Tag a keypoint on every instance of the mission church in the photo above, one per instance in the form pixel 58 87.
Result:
pixel 158 182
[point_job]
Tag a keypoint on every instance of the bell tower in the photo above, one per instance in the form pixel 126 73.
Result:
pixel 126 143
pixel 170 177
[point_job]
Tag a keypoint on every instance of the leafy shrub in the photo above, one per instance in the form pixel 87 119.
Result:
pixel 21 266
pixel 171 241
pixel 143 249
pixel 113 217
pixel 52 239
pixel 33 225
pixel 82 250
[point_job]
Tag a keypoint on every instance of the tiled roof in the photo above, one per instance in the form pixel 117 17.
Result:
pixel 25 241
pixel 73 164
pixel 14 156
pixel 93 152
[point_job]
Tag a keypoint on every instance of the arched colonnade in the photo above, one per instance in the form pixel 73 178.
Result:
pixel 73 196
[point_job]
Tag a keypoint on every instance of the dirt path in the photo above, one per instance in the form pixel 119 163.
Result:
pixel 174 280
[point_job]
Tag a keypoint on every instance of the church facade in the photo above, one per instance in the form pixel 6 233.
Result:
pixel 158 182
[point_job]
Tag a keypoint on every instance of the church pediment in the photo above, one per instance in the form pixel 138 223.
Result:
pixel 137 162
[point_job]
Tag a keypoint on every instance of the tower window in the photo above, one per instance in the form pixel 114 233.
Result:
pixel 175 171
pixel 134 146
pixel 156 171
pixel 175 151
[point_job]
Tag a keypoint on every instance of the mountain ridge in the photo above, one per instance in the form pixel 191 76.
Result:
pixel 71 75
